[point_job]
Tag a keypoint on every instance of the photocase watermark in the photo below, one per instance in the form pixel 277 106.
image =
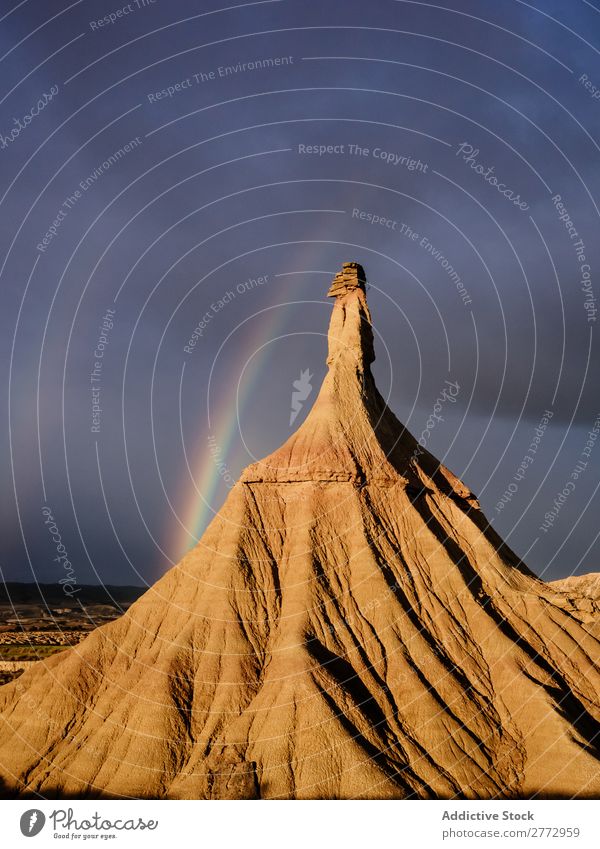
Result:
pixel 593 90
pixel 302 389
pixel 219 304
pixel 220 72
pixel 69 582
pixel 52 725
pixel 528 458
pixel 447 394
pixel 323 149
pixel 390 157
pixel 370 606
pixel 96 823
pixel 421 241
pixel 97 372
pixel 25 121
pixel 32 822
pixel 439 257
pixel 221 466
pixel 469 155
pixel 111 160
pixel 119 14
pixel 71 200
pixel 579 469
pixel 585 270
pixel 376 220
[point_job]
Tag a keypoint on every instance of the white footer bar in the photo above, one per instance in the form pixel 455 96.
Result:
pixel 310 825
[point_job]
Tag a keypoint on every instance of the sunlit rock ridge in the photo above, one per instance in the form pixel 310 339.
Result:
pixel 349 626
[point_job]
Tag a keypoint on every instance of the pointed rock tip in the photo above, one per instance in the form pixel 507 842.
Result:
pixel 350 332
pixel 352 276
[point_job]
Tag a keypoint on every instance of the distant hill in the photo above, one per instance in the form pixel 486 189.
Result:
pixel 16 592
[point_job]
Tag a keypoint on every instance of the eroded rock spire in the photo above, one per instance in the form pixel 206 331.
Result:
pixel 349 626
pixel 352 276
pixel 350 331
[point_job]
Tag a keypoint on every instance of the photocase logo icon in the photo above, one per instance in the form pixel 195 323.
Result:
pixel 32 822
pixel 302 389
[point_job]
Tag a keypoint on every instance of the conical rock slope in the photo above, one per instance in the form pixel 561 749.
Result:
pixel 349 626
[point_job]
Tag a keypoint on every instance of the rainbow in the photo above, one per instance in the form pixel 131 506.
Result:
pixel 199 501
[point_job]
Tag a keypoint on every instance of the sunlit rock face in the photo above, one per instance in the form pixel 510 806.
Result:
pixel 349 626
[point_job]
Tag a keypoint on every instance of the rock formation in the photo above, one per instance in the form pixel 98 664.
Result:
pixel 352 276
pixel 349 626
pixel 583 590
pixel 581 585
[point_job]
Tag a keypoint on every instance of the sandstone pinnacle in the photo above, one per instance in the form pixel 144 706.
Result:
pixel 352 276
pixel 349 626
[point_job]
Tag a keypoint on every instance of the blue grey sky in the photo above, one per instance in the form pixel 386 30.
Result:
pixel 180 181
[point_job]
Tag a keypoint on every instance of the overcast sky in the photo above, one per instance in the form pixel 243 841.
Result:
pixel 181 167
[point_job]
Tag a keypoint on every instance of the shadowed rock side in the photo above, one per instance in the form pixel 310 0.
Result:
pixel 349 626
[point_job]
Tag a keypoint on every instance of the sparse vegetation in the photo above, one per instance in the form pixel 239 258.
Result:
pixel 27 651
